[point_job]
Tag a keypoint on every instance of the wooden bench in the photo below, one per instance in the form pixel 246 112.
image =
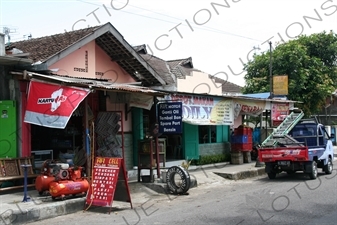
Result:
pixel 11 170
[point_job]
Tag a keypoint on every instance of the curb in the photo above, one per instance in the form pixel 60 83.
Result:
pixel 243 174
pixel 42 212
pixel 206 166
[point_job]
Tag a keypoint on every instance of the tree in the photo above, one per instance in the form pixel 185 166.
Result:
pixel 310 63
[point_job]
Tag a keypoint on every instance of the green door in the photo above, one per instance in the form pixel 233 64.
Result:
pixel 137 131
pixel 8 129
pixel 190 141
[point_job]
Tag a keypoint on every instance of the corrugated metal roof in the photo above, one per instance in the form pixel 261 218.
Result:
pixel 12 61
pixel 100 79
pixel 235 97
pixel 262 99
pixel 257 95
pixel 96 84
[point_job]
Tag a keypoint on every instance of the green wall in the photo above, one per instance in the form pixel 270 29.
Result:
pixel 191 139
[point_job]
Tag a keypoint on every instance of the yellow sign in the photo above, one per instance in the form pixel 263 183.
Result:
pixel 280 85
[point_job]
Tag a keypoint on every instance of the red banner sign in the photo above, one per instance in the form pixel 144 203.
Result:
pixel 51 105
pixel 245 107
pixel 279 112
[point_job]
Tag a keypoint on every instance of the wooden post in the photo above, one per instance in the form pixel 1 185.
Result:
pixel 157 157
pixel 87 138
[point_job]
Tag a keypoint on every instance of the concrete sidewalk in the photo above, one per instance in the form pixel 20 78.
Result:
pixel 14 211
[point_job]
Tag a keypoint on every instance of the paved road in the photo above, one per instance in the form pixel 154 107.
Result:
pixel 287 200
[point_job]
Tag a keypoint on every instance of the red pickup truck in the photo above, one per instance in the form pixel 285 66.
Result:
pixel 309 148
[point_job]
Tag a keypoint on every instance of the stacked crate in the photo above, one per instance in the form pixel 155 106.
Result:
pixel 241 145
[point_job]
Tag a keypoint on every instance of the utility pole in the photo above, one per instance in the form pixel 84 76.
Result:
pixel 271 83
pixel 271 72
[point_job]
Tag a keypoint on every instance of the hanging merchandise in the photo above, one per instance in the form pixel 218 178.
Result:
pixel 107 127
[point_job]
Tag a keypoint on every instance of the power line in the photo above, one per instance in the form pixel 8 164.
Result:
pixel 206 28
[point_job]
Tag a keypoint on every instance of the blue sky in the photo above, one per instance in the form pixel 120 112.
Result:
pixel 217 34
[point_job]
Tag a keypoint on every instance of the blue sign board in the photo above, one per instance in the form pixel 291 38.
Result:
pixel 170 117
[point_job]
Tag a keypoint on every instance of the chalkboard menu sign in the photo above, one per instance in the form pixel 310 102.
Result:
pixel 107 173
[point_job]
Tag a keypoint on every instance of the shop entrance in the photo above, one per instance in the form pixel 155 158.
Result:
pixel 171 142
pixel 173 146
pixel 57 144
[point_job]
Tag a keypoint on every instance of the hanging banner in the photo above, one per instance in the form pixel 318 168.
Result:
pixel 51 105
pixel 246 107
pixel 278 113
pixel 141 101
pixel 170 117
pixel 205 110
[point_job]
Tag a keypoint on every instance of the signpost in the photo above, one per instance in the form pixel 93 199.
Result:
pixel 108 176
pixel 170 117
pixel 280 85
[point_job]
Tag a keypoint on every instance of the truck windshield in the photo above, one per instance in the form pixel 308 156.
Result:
pixel 305 133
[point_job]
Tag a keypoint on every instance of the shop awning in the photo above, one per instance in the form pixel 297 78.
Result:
pixel 198 109
pixel 92 84
pixel 52 98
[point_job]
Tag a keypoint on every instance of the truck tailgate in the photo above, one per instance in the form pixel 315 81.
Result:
pixel 295 153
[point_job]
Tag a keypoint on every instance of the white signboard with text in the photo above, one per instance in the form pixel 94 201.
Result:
pixel 205 110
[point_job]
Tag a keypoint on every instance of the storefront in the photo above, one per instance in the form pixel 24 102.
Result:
pixel 206 122
pixel 61 115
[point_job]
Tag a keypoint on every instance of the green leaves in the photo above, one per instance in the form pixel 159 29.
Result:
pixel 310 63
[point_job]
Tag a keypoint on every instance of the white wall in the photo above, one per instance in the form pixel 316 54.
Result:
pixel 199 83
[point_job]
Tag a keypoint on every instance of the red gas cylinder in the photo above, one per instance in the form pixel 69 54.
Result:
pixel 42 183
pixel 68 187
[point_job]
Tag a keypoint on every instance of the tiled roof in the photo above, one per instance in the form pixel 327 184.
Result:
pixel 231 87
pixel 181 67
pixel 140 49
pixel 227 87
pixel 43 48
pixel 160 66
pixel 49 49
pixel 168 70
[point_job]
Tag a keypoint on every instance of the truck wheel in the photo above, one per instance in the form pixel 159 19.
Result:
pixel 183 182
pixel 328 167
pixel 272 175
pixel 314 171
